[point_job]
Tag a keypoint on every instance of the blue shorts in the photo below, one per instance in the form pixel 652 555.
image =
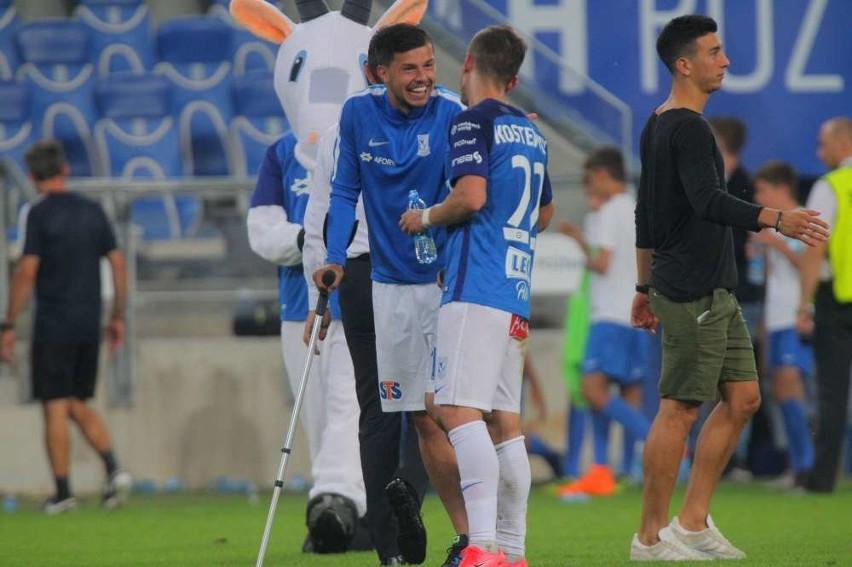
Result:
pixel 786 349
pixel 618 351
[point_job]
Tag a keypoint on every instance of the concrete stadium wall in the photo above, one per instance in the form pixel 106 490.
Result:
pixel 205 407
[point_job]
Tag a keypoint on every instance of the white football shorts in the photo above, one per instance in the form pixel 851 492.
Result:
pixel 480 357
pixel 406 319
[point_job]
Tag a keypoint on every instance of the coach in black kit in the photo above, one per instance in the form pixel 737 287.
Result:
pixel 66 235
pixel 687 275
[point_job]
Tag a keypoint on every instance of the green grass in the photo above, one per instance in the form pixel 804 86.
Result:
pixel 774 528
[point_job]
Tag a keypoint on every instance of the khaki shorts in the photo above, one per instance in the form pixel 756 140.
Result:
pixel 705 342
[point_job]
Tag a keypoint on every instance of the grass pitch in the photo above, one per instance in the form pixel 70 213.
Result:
pixel 207 530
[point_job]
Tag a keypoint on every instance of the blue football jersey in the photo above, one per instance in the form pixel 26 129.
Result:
pixel 490 256
pixel 385 154
pixel 283 182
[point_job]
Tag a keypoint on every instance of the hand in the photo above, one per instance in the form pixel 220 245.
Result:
pixel 338 276
pixel 805 321
pixel 641 315
pixel 411 222
pixel 570 230
pixel 803 224
pixel 309 327
pixel 114 335
pixel 7 345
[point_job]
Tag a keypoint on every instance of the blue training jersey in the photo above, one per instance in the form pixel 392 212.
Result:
pixel 490 256
pixel 283 182
pixel 385 154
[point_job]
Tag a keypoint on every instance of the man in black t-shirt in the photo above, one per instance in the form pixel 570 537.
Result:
pixel 66 235
pixel 687 274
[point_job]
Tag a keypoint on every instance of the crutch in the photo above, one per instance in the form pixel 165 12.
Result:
pixel 322 304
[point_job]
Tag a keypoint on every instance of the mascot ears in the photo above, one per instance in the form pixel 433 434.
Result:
pixel 268 22
pixel 403 12
pixel 262 19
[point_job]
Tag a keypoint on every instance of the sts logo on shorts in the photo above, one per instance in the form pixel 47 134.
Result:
pixel 390 390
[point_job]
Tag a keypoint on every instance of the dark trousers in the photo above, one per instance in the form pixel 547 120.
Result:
pixel 380 434
pixel 833 354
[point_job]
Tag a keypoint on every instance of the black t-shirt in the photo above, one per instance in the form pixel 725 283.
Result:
pixel 69 233
pixel 683 210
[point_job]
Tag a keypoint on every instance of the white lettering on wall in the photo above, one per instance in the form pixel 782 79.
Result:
pixel 568 19
pixel 795 78
pixel 651 21
pixel 764 50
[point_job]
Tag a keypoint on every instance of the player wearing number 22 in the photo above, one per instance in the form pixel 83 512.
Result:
pixel 500 198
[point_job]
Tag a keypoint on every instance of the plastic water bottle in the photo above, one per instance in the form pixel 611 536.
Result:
pixel 757 264
pixel 10 503
pixel 424 246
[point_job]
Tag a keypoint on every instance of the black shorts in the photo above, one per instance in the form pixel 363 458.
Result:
pixel 64 369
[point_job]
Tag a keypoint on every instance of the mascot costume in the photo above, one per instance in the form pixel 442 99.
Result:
pixel 319 64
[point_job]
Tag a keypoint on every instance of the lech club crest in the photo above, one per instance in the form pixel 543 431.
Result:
pixel 423 145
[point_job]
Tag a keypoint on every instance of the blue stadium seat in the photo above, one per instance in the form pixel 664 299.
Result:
pixel 138 140
pixel 16 129
pixel 122 34
pixel 195 57
pixel 8 27
pixel 56 65
pixel 259 122
pixel 248 52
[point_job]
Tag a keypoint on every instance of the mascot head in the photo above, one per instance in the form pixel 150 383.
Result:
pixel 321 59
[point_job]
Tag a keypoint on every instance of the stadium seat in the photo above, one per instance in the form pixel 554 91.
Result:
pixel 122 34
pixel 8 27
pixel 195 58
pixel 259 122
pixel 56 66
pixel 16 128
pixel 248 52
pixel 138 140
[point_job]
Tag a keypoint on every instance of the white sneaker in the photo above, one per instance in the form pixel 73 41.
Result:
pixel 709 541
pixel 117 490
pixel 669 548
pixel 53 506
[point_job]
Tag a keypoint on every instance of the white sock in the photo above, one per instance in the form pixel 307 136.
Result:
pixel 513 491
pixel 479 472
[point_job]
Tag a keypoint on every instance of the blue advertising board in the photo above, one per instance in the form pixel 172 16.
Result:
pixel 791 62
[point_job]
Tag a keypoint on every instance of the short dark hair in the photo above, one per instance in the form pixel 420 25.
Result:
pixel 390 40
pixel 732 131
pixel 778 172
pixel 678 37
pixel 498 52
pixel 45 160
pixel 609 159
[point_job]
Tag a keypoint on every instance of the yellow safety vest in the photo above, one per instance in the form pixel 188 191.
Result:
pixel 840 242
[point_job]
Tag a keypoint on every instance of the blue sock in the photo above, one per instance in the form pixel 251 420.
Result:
pixel 600 438
pixel 628 452
pixel 537 446
pixel 634 423
pixel 798 436
pixel 576 434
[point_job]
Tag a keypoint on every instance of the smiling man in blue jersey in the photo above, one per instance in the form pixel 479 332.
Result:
pixel 330 410
pixel 501 198
pixel 393 138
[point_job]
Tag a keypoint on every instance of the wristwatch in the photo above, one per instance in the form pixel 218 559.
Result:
pixel 6 326
pixel 643 288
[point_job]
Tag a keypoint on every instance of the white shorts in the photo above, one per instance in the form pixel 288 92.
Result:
pixel 480 357
pixel 406 319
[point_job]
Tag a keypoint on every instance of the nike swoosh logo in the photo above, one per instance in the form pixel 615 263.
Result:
pixel 373 144
pixel 438 389
pixel 465 486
